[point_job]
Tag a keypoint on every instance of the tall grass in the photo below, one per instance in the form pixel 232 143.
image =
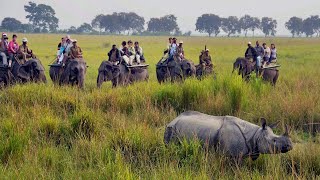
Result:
pixel 65 133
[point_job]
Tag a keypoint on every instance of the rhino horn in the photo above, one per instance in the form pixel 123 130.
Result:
pixel 286 133
pixel 264 123
pixel 274 125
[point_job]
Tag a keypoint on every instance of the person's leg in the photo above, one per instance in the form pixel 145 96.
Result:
pixel 131 58
pixel 4 58
pixel 60 58
pixel 138 58
pixel 11 56
pixel 126 59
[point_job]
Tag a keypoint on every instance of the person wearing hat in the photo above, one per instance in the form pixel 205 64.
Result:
pixel 206 59
pixel 75 51
pixel 132 52
pixel 251 54
pixel 179 56
pixel 13 48
pixel 114 55
pixel 4 49
pixel 24 52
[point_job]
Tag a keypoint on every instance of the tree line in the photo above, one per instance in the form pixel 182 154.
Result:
pixel 42 19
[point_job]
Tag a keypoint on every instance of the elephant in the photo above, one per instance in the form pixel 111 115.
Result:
pixel 163 73
pixel 31 71
pixel 120 74
pixel 204 71
pixel 175 71
pixel 270 75
pixel 246 67
pixel 73 73
pixel 188 68
pixel 5 77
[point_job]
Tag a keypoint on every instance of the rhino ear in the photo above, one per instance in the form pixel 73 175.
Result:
pixel 263 123
pixel 286 133
pixel 274 125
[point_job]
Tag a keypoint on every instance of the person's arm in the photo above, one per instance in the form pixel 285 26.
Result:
pixel 141 51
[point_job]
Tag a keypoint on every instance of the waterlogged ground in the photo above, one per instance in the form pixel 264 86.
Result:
pixel 66 133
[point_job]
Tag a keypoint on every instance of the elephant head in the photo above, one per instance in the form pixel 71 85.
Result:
pixel 162 73
pixel 108 72
pixel 188 68
pixel 32 70
pixel 74 73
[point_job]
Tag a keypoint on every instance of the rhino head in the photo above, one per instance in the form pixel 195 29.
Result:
pixel 269 143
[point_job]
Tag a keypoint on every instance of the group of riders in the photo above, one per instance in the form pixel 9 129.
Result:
pixel 10 51
pixel 175 52
pixel 68 49
pixel 263 56
pixel 129 52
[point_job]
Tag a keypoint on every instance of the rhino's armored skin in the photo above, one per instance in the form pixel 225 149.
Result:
pixel 230 135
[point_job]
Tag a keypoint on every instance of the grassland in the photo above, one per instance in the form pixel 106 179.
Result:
pixel 50 132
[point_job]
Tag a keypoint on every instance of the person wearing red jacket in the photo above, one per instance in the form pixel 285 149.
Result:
pixel 13 49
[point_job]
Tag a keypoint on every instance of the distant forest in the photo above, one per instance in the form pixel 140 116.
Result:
pixel 42 19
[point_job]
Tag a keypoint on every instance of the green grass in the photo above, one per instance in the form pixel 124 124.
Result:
pixel 64 133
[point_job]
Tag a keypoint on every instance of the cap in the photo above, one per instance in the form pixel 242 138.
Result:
pixel 207 50
pixel 129 41
pixel 74 40
pixel 181 42
pixel 4 34
pixel 24 40
pixel 249 43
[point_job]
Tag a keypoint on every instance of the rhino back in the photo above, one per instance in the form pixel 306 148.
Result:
pixel 194 125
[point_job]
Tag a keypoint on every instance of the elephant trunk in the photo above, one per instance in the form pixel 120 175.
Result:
pixel 80 77
pixel 100 79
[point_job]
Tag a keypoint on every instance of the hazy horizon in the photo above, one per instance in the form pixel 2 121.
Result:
pixel 76 12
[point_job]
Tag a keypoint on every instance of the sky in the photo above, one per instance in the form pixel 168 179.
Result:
pixel 75 12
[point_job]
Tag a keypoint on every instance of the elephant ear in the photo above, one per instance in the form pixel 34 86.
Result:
pixel 23 72
pixel 39 66
pixel 102 66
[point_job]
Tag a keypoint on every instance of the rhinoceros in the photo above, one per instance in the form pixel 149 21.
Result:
pixel 229 135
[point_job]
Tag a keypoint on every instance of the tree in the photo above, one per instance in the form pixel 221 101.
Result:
pixel 268 26
pixel 132 22
pixel 97 22
pixel 154 25
pixel 254 24
pixel 166 24
pixel 294 25
pixel 209 23
pixel 245 23
pixel 27 28
pixel 188 33
pixel 11 24
pixel 42 16
pixel 316 24
pixel 113 23
pixel 84 28
pixel 72 30
pixel 231 25
pixel 308 26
